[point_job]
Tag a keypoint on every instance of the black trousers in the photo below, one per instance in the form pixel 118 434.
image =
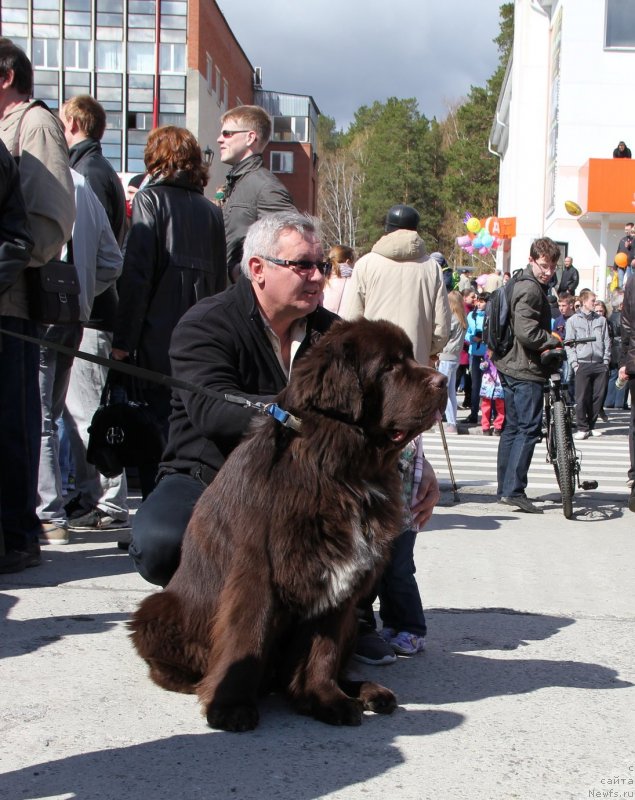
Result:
pixel 159 525
pixel 590 388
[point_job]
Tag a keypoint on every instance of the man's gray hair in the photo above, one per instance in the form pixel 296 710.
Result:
pixel 262 237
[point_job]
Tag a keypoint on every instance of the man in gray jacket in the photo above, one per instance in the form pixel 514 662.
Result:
pixel 250 190
pixel 523 374
pixel 590 362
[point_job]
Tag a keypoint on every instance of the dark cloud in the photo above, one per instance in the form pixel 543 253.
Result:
pixel 349 53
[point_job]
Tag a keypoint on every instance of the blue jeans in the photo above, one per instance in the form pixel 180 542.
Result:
pixel 521 434
pixel 614 397
pixel 55 373
pixel 19 434
pixel 449 368
pixel 399 599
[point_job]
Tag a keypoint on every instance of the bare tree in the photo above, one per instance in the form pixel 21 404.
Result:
pixel 340 182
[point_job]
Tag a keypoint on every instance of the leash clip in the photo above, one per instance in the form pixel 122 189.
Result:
pixel 286 419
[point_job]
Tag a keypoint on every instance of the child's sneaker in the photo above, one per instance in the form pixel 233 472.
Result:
pixel 407 644
pixel 387 634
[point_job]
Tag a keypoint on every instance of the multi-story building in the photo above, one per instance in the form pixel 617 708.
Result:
pixel 157 62
pixel 564 106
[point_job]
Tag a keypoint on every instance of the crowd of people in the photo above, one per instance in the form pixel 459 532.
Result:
pixel 227 296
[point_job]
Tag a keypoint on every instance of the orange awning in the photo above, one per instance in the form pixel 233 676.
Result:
pixel 607 186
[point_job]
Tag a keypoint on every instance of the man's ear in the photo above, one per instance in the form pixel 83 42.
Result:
pixel 7 81
pixel 256 268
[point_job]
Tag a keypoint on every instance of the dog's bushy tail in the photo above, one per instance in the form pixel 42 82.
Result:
pixel 160 636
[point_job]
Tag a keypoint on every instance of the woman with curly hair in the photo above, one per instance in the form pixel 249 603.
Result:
pixel 175 256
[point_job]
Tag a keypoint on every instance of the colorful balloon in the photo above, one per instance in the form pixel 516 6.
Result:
pixel 621 259
pixel 473 225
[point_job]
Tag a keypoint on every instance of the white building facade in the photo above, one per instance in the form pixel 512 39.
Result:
pixel 566 102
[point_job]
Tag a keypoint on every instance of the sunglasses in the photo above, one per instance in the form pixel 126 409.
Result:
pixel 229 134
pixel 304 268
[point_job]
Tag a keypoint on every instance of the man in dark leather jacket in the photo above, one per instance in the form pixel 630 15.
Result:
pixel 250 190
pixel 627 373
pixel 570 278
pixel 235 342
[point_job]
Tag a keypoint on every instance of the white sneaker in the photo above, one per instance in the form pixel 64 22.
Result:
pixel 595 432
pixel 581 435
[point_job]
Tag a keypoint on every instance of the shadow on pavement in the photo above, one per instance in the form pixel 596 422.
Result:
pixel 453 676
pixel 20 637
pixel 286 757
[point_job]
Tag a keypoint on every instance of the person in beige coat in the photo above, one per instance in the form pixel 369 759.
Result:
pixel 399 282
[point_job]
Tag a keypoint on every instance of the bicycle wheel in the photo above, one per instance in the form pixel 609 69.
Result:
pixel 564 462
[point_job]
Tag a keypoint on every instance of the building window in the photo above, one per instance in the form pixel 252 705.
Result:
pixel 140 93
pixel 76 83
pixel 225 99
pixel 217 81
pixel 109 56
pixel 46 53
pixel 620 24
pixel 109 91
pixel 281 161
pixel 172 57
pixel 15 18
pixel 209 72
pixel 46 87
pixel 140 57
pixel 76 54
pixel 290 129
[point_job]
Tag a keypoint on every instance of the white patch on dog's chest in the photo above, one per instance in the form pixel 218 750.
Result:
pixel 341 578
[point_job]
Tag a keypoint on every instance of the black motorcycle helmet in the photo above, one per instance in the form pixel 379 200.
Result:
pixel 401 217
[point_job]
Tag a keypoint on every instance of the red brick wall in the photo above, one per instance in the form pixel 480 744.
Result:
pixel 302 182
pixel 208 32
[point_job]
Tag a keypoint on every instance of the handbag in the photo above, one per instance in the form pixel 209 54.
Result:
pixel 53 293
pixel 123 431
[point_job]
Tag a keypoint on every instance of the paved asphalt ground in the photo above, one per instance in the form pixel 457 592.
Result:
pixel 525 689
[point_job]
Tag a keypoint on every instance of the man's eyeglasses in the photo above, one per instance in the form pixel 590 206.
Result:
pixel 229 134
pixel 304 268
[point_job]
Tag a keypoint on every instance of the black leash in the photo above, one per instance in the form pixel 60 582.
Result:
pixel 280 415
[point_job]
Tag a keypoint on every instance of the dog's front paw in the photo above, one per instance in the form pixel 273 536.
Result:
pixel 377 698
pixel 344 711
pixel 236 719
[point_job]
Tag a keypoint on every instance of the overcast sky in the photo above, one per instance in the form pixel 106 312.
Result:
pixel 349 53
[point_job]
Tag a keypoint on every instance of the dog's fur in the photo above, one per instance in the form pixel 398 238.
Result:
pixel 292 533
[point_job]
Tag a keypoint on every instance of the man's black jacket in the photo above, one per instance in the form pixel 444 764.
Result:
pixel 220 343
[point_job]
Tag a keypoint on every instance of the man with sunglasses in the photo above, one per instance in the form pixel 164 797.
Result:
pixel 250 190
pixel 242 341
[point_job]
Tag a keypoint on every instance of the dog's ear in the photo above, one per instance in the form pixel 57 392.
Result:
pixel 327 379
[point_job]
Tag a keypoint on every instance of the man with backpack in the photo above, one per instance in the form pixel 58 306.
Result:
pixel 523 372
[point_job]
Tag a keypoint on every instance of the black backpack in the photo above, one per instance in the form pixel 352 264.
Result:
pixel 498 332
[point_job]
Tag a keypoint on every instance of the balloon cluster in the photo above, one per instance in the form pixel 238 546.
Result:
pixel 480 236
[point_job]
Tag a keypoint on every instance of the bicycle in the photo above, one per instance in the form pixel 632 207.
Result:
pixel 561 450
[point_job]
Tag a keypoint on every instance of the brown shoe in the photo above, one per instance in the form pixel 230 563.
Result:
pixel 53 534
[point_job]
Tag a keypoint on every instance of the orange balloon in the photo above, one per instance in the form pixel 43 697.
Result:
pixel 621 259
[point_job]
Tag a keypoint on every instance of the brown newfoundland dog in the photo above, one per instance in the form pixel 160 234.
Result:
pixel 292 533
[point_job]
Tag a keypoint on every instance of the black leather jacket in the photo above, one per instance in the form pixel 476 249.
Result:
pixel 251 191
pixel 15 238
pixel 627 355
pixel 175 256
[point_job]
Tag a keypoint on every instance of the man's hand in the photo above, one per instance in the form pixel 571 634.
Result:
pixel 623 374
pixel 119 355
pixel 428 496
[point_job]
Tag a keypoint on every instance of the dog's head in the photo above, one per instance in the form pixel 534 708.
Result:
pixel 363 373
